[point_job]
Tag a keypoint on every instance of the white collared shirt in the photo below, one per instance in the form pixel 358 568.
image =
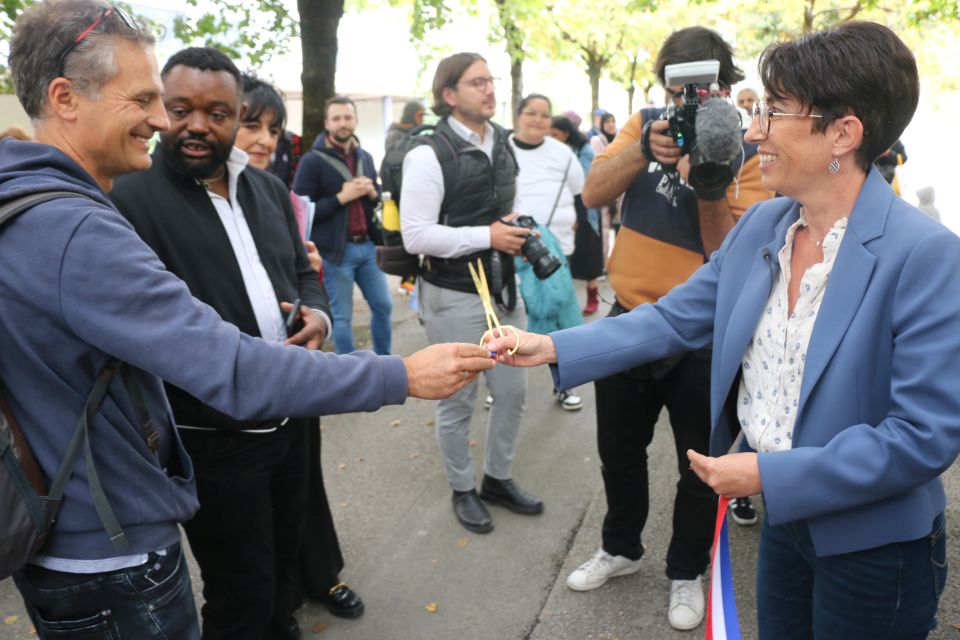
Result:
pixel 423 195
pixel 774 362
pixel 256 282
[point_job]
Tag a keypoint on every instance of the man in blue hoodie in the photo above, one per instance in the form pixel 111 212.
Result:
pixel 78 287
pixel 340 178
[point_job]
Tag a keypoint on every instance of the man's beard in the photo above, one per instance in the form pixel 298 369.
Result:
pixel 342 138
pixel 196 169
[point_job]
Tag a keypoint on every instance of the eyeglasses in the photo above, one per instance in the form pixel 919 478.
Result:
pixel 67 50
pixel 766 113
pixel 480 84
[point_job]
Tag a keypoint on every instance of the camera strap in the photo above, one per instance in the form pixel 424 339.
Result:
pixel 563 182
pixel 498 283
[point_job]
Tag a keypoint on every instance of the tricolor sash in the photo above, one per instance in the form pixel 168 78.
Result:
pixel 722 621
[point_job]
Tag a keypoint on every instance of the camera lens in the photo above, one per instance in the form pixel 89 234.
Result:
pixel 544 263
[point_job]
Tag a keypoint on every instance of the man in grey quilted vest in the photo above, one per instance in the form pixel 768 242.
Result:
pixel 452 216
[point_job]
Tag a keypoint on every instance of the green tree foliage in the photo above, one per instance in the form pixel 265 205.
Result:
pixel 508 26
pixel 249 32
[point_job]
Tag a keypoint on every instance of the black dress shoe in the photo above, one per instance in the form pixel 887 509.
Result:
pixel 343 602
pixel 506 493
pixel 470 511
pixel 293 629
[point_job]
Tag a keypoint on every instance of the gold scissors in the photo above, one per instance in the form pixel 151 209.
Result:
pixel 480 282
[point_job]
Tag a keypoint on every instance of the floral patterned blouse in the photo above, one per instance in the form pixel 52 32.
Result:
pixel 773 364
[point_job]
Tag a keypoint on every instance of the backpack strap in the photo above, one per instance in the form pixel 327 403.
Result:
pixel 15 207
pixel 341 167
pixel 81 439
pixel 447 157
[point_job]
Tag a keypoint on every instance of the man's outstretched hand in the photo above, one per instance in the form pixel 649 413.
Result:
pixel 440 370
pixel 535 349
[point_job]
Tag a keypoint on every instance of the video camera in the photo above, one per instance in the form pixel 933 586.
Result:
pixel 706 126
pixel 699 80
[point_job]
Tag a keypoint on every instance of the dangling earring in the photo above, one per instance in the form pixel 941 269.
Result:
pixel 834 166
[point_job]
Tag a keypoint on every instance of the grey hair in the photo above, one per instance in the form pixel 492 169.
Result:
pixel 44 29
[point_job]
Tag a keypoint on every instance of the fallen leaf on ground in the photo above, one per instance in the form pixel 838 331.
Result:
pixel 464 541
pixel 341 466
pixel 317 628
pixel 395 423
pixel 344 504
pixel 472 443
pixel 10 620
pixel 414 456
pixel 431 423
pixel 432 607
pixel 359 460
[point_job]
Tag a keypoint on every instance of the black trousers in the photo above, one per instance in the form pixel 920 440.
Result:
pixel 320 558
pixel 628 405
pixel 247 534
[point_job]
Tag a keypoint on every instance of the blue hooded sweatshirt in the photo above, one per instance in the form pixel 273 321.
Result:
pixel 77 286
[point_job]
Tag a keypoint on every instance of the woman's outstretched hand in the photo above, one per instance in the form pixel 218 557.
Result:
pixel 534 349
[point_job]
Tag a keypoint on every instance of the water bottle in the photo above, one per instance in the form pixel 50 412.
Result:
pixel 391 214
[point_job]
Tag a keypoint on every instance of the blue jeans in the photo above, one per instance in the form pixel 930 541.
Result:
pixel 885 592
pixel 151 602
pixel 359 265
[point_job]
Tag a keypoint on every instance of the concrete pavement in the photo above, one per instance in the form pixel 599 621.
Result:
pixel 423 576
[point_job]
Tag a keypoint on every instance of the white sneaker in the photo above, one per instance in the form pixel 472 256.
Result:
pixel 600 568
pixel 488 402
pixel 569 400
pixel 686 604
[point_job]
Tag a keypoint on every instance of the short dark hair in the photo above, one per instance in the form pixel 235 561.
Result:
pixel 531 97
pixel 260 97
pixel 857 68
pixel 448 74
pixel 575 139
pixel 338 99
pixel 204 59
pixel 42 32
pixel 698 43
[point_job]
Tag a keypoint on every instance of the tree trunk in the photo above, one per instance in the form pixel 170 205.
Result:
pixel 516 86
pixel 318 41
pixel 594 69
pixel 514 39
pixel 630 92
pixel 808 17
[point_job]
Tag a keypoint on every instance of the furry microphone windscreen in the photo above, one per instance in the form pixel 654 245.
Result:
pixel 718 131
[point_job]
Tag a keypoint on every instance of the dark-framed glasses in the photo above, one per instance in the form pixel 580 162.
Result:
pixel 480 84
pixel 766 113
pixel 67 50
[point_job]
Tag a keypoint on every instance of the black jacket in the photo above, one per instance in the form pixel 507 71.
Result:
pixel 174 215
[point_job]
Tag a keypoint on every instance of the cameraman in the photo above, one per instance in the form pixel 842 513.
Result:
pixel 668 230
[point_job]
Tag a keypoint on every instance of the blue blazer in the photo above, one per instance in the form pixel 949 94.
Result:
pixel 878 418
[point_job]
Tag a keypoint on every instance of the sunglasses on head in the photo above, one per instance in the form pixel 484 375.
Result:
pixel 67 50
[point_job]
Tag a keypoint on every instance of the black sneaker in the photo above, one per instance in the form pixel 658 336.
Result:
pixel 742 512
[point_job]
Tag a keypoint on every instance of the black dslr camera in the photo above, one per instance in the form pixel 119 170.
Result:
pixel 537 254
